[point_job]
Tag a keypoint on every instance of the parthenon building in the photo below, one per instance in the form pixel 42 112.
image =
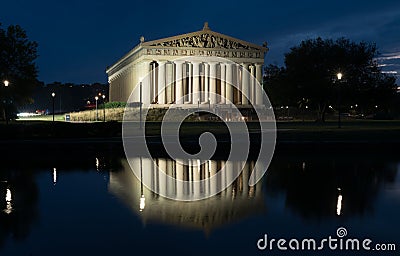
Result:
pixel 174 76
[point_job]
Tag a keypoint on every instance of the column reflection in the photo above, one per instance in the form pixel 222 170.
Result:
pixel 238 201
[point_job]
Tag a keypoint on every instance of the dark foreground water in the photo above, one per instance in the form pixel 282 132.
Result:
pixel 85 200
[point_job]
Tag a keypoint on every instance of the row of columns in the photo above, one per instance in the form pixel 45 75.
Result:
pixel 205 83
pixel 193 171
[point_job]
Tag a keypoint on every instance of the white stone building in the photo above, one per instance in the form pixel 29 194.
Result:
pixel 190 69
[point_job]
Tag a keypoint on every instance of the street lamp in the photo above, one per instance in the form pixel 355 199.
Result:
pixel 97 111
pixel 6 83
pixel 339 77
pixel 53 95
pixel 104 107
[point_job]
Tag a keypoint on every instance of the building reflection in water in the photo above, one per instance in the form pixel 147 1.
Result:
pixel 235 202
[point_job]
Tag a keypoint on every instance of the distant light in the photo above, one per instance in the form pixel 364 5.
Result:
pixel 376 106
pixel 8 195
pixel 104 96
pixel 142 203
pixel 96 98
pixel 339 76
pixel 306 106
pixel 330 106
pixel 97 164
pixel 339 203
pixel 25 114
pixel 54 175
pixel 356 105
pixel 9 208
pixel 287 106
pixel 53 94
pixel 6 83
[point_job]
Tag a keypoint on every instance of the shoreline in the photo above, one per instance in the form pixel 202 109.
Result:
pixel 353 134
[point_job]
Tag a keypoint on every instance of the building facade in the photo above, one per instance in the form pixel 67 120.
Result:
pixel 190 69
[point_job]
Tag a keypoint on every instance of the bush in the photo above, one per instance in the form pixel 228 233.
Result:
pixel 115 104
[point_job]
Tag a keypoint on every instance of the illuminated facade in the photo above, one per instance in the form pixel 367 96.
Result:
pixel 175 78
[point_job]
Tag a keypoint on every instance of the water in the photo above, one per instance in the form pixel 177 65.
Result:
pixel 85 200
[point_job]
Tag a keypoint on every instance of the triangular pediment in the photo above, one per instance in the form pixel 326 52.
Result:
pixel 205 38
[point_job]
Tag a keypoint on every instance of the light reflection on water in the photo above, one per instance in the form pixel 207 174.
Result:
pixel 236 202
pixel 100 207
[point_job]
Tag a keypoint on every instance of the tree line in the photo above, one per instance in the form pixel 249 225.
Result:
pixel 308 79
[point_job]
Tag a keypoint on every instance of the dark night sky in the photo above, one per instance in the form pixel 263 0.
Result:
pixel 79 39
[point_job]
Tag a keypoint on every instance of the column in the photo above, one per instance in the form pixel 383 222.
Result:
pixel 259 89
pixel 229 81
pixel 170 182
pixel 161 82
pixel 237 93
pixel 169 82
pixel 206 79
pixel 178 82
pixel 212 165
pixel 190 96
pixel 213 83
pixel 162 170
pixel 145 82
pixel 252 84
pixel 245 178
pixel 245 85
pixel 154 91
pixel 230 169
pixel 213 169
pixel 179 177
pixel 196 84
pixel 147 171
pixel 223 83
pixel 196 176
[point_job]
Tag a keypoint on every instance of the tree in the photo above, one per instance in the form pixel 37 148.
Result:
pixel 310 72
pixel 17 65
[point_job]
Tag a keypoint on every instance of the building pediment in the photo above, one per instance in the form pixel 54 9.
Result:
pixel 207 39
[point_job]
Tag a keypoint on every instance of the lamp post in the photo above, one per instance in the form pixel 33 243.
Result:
pixel 97 111
pixel 104 107
pixel 53 95
pixel 6 83
pixel 339 78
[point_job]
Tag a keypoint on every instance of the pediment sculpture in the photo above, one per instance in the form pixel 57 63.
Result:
pixel 205 40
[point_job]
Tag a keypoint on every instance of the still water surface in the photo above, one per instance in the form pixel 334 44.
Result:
pixel 86 201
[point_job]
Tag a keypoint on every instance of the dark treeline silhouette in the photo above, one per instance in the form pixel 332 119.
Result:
pixel 18 70
pixel 308 82
pixel 68 97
